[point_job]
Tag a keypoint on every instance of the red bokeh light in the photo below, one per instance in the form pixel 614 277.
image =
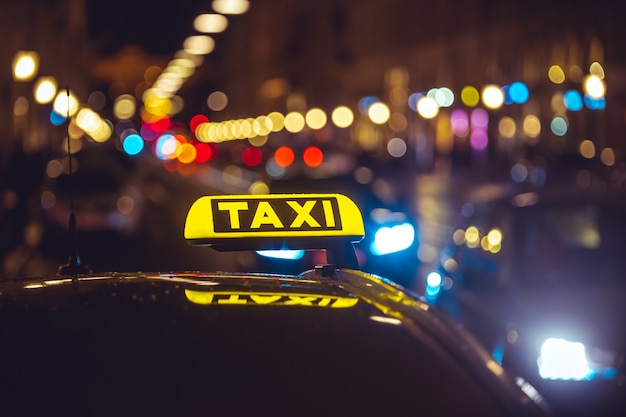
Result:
pixel 251 156
pixel 284 156
pixel 313 156
pixel 204 152
pixel 196 121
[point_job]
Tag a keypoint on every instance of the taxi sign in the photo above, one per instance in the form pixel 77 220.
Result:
pixel 273 215
pixel 274 221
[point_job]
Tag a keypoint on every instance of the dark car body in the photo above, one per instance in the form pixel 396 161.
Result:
pixel 546 265
pixel 325 342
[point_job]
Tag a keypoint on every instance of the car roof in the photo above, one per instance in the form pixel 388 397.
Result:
pixel 169 331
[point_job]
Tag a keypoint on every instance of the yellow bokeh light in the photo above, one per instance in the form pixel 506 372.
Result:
pixel 531 126
pixel 258 141
pixel 294 122
pixel 315 118
pixel 379 113
pixel 278 121
pixel 210 23
pixel 596 69
pixel 230 6
pixel 607 156
pixel 507 127
pixel 199 44
pixel 65 104
pixel 45 89
pixel 470 96
pixel 247 130
pixel 158 106
pixel 587 149
pixel 259 187
pixel 262 125
pixel 125 107
pixel 494 237
pixel 556 74
pixel 25 65
pixel 472 237
pixel 342 116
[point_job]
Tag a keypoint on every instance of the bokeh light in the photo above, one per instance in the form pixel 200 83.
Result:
pixel 396 147
pixel 573 100
pixel 594 86
pixel 313 156
pixel 25 65
pixel 556 74
pixel 199 44
pixel 342 116
pixel 230 6
pixel 284 156
pixel 470 96
pixel 558 125
pixel 518 92
pixel 217 101
pixel 124 107
pixel 204 152
pixel 133 144
pixel 427 107
pixel 492 96
pixel 315 118
pixel 45 89
pixel 587 149
pixel 379 113
pixel 294 122
pixel 210 23
pixel 252 156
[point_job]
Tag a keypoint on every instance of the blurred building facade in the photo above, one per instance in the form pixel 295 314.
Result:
pixel 283 56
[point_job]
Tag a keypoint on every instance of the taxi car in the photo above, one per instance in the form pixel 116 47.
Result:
pixel 331 340
pixel 538 276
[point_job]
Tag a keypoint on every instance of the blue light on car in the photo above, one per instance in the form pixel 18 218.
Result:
pixel 433 285
pixel 393 239
pixel 288 254
pixel 562 359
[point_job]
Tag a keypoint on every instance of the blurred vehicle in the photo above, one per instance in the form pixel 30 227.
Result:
pixel 539 278
pixel 331 340
pixel 390 245
pixel 103 189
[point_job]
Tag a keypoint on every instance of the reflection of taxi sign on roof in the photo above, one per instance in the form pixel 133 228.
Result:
pixel 276 221
pixel 269 299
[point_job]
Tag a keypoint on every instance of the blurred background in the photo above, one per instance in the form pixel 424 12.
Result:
pixel 406 106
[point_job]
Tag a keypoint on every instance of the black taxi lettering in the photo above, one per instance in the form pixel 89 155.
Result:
pixel 276 214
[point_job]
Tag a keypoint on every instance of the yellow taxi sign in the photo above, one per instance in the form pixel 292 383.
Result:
pixel 214 219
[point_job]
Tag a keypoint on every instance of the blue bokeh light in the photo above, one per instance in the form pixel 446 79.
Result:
pixel 518 92
pixel 56 119
pixel 133 144
pixel 573 100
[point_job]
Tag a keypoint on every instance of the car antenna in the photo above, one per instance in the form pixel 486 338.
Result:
pixel 74 265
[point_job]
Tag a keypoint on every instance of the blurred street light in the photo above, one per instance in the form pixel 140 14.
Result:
pixel 25 65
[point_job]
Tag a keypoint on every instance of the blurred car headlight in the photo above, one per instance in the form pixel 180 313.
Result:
pixel 566 360
pixel 393 239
